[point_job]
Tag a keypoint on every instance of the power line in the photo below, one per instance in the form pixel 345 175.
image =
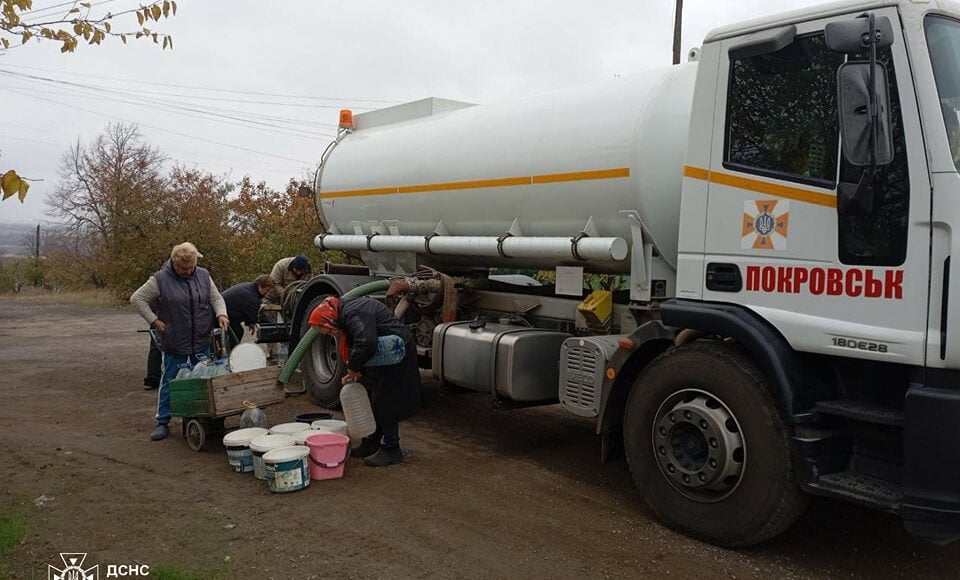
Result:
pixel 154 127
pixel 213 89
pixel 251 123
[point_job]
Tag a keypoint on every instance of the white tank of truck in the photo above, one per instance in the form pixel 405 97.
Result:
pixel 546 169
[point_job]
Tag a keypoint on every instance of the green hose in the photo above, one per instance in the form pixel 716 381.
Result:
pixel 293 361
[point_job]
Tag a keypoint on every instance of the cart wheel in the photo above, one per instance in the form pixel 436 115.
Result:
pixel 196 434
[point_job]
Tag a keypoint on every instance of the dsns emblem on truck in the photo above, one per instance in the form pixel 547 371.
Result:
pixel 765 224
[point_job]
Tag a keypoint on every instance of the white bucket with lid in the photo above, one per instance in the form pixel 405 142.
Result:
pixel 238 448
pixel 289 428
pixel 300 437
pixel 263 444
pixel 331 426
pixel 287 468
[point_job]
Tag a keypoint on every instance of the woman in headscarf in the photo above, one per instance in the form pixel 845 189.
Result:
pixel 394 390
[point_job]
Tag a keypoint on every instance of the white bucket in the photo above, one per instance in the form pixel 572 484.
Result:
pixel 287 468
pixel 238 448
pixel 300 437
pixel 331 426
pixel 288 428
pixel 263 444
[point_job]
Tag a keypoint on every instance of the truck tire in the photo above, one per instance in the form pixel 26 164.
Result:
pixel 707 448
pixel 322 367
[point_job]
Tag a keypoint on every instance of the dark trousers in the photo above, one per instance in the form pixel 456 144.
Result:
pixel 154 362
pixel 387 435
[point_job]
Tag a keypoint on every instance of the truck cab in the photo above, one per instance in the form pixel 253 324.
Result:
pixel 858 289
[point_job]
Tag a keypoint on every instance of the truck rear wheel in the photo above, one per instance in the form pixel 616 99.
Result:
pixel 322 367
pixel 707 448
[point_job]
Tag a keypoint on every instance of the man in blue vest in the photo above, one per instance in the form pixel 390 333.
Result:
pixel 179 302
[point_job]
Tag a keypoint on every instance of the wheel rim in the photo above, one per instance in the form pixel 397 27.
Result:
pixel 195 435
pixel 699 445
pixel 324 359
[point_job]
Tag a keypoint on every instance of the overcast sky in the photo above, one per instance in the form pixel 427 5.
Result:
pixel 303 61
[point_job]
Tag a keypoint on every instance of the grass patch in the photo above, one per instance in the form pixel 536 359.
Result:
pixel 95 297
pixel 13 529
pixel 170 572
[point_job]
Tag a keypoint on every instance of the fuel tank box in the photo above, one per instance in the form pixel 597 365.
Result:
pixel 513 362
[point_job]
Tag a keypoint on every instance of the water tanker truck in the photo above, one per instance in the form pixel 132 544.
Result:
pixel 784 208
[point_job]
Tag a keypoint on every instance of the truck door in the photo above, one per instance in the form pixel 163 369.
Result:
pixel 840 283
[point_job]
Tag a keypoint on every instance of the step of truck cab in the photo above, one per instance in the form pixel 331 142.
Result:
pixel 861 411
pixel 862 489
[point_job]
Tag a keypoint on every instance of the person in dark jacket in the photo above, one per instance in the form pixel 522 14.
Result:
pixel 243 305
pixel 179 302
pixel 394 390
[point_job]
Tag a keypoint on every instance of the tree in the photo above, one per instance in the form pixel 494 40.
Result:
pixel 270 224
pixel 18 20
pixel 110 192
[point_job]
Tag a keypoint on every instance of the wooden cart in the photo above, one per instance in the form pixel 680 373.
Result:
pixel 204 404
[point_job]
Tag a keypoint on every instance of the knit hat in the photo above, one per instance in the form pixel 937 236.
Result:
pixel 300 263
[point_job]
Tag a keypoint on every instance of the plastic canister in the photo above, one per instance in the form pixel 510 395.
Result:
pixel 331 426
pixel 263 444
pixel 357 410
pixel 289 428
pixel 287 468
pixel 238 448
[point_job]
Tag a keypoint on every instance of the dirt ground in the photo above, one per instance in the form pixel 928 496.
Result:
pixel 484 493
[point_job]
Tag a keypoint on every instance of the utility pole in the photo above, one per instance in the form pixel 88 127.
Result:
pixel 677 22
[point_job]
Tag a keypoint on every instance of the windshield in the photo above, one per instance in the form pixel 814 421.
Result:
pixel 943 42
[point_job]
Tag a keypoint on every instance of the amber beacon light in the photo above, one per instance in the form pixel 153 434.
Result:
pixel 346 119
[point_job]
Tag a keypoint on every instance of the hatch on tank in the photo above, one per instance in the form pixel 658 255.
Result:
pixel 407 112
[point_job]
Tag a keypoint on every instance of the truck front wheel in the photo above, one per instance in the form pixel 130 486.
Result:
pixel 322 367
pixel 707 448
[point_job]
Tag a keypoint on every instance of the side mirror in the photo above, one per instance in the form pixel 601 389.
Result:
pixel 305 191
pixel 853 87
pixel 853 36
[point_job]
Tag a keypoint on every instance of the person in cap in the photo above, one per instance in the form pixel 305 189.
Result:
pixel 287 271
pixel 284 273
pixel 394 390
pixel 179 302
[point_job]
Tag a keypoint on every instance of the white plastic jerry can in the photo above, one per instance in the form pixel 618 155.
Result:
pixel 357 410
